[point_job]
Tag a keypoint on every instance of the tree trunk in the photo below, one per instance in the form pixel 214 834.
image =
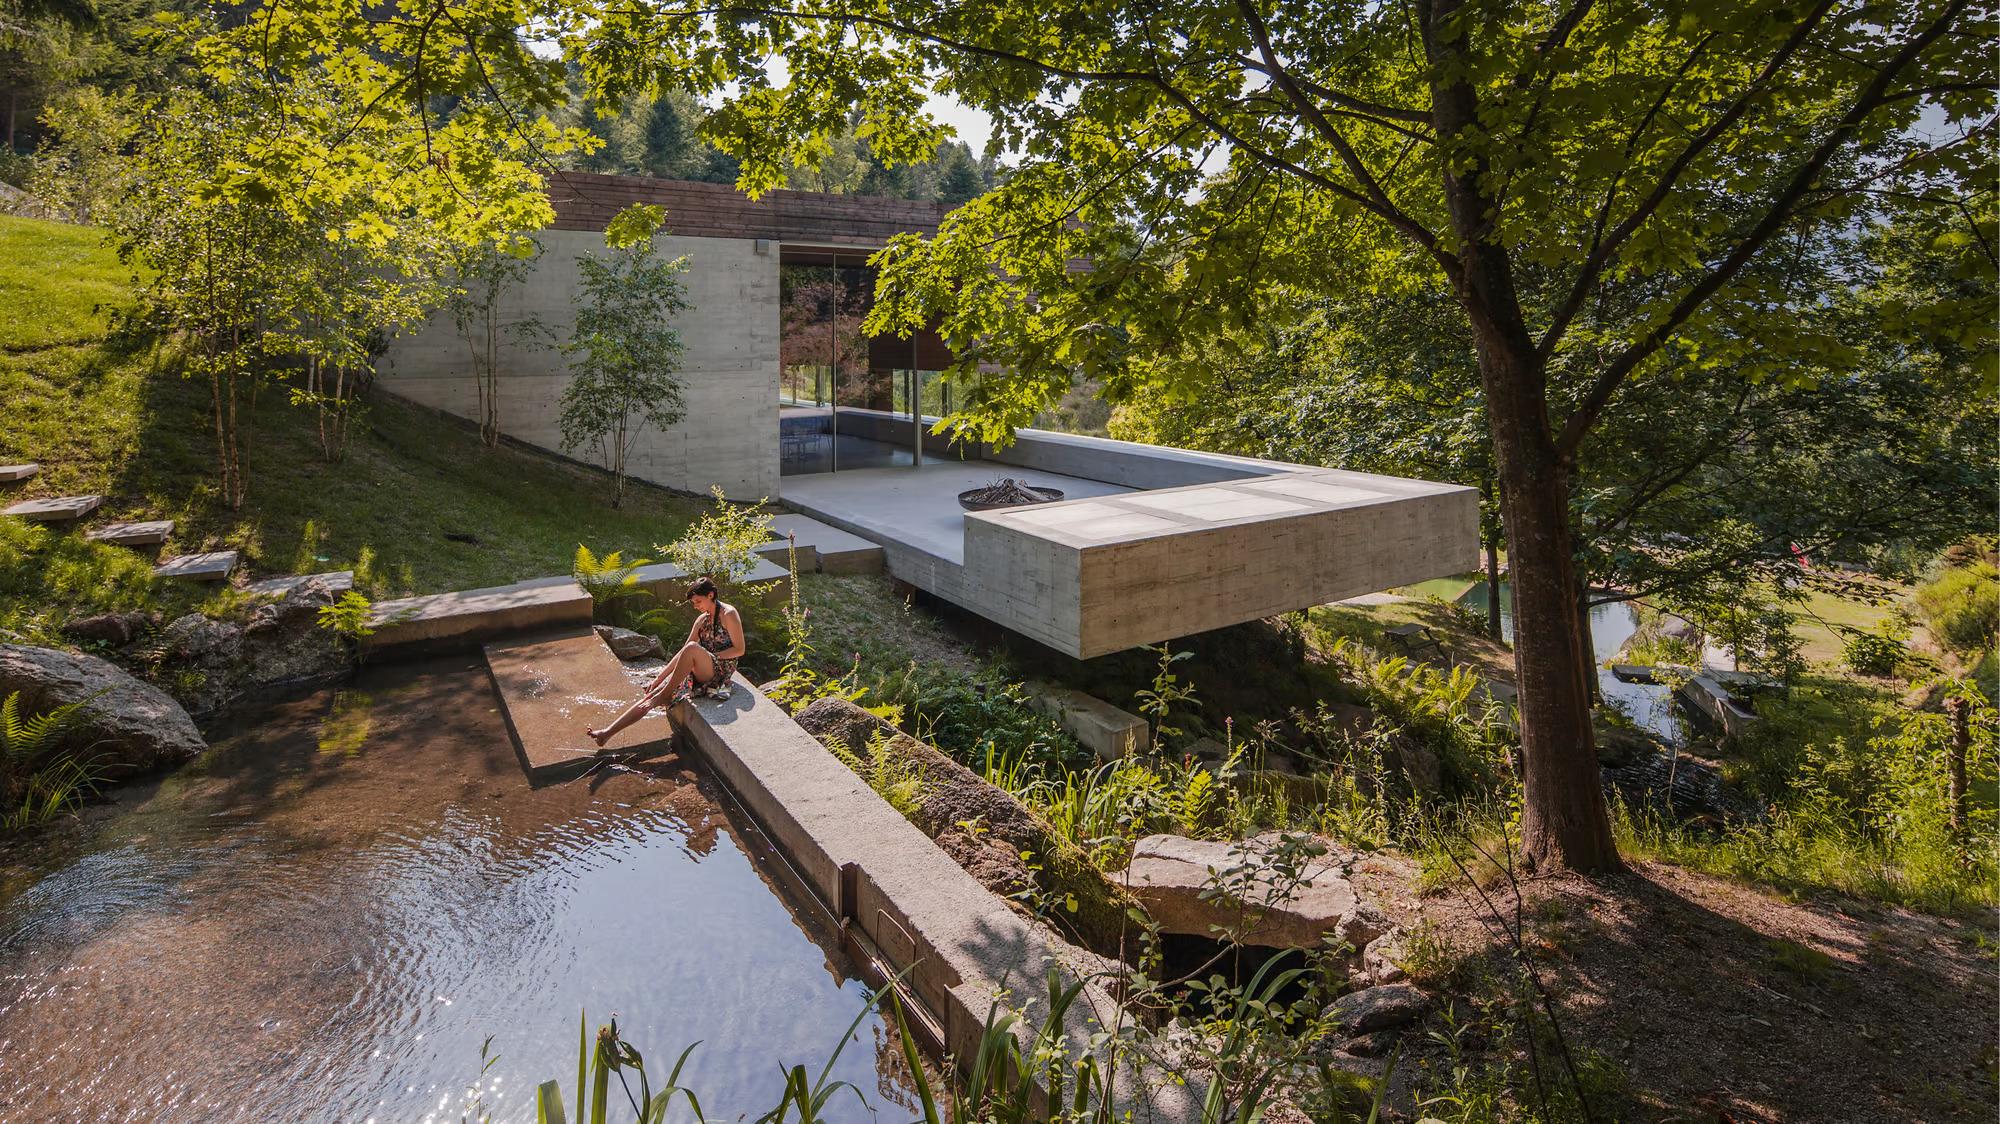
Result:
pixel 1959 711
pixel 1564 824
pixel 1491 526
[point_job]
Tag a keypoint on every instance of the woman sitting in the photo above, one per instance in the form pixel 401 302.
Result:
pixel 702 666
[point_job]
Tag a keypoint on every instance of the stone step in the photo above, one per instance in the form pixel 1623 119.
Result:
pixel 56 509
pixel 211 566
pixel 668 582
pixel 834 551
pixel 148 532
pixel 465 619
pixel 556 685
pixel 337 582
pixel 1104 729
pixel 15 473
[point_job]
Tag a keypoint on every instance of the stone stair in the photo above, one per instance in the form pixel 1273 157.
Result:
pixel 210 566
pixel 147 532
pixel 15 473
pixel 54 509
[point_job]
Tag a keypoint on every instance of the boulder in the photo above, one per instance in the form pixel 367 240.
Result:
pixel 1177 880
pixel 984 829
pixel 1380 1008
pixel 114 630
pixel 1379 960
pixel 216 664
pixel 629 645
pixel 128 726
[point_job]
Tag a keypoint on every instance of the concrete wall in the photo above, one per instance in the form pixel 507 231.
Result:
pixel 1127 464
pixel 730 368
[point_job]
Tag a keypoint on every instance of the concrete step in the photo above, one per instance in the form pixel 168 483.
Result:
pixel 337 582
pixel 1104 729
pixel 668 582
pixel 556 685
pixel 15 473
pixel 56 509
pixel 149 532
pixel 834 551
pixel 465 619
pixel 212 566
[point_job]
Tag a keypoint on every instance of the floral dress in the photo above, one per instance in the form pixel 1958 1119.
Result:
pixel 714 637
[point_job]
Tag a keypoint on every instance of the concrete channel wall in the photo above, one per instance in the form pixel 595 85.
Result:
pixel 961 948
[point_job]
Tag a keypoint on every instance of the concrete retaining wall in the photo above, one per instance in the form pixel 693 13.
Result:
pixel 729 370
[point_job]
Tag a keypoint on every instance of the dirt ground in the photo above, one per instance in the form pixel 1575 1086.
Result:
pixel 1720 1002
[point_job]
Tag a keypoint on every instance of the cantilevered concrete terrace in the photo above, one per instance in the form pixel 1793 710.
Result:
pixel 1149 544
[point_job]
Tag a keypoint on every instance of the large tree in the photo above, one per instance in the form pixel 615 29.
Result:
pixel 1654 148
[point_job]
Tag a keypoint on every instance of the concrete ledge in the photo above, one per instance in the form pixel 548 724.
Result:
pixel 461 621
pixel 668 582
pixel 833 550
pixel 963 948
pixel 1104 729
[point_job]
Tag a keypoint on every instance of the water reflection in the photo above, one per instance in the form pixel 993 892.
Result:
pixel 1649 705
pixel 326 916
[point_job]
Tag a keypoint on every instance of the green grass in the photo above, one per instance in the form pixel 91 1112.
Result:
pixel 416 506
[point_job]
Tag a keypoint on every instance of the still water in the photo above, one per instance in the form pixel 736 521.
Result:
pixel 1649 705
pixel 325 917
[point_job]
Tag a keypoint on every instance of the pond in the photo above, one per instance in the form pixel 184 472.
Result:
pixel 327 915
pixel 1648 705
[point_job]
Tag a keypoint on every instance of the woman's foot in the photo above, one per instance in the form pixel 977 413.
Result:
pixel 599 736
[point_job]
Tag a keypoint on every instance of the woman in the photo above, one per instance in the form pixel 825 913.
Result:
pixel 702 666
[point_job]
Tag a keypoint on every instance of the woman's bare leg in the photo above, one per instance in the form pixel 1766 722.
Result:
pixel 692 659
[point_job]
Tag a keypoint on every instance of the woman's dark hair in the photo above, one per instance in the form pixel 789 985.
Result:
pixel 701 587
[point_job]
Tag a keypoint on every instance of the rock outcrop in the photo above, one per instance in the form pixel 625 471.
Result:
pixel 214 665
pixel 1217 890
pixel 127 726
pixel 629 645
pixel 985 830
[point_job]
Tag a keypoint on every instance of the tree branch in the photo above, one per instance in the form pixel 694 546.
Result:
pixel 1775 216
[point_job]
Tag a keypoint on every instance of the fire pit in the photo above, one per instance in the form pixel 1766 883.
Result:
pixel 1006 493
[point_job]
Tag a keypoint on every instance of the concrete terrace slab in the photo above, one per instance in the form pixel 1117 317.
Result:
pixel 916 508
pixel 835 551
pixel 337 582
pixel 445 622
pixel 1111 568
pixel 149 532
pixel 15 473
pixel 59 509
pixel 555 686
pixel 211 566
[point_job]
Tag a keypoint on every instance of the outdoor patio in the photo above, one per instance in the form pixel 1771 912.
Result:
pixel 1181 543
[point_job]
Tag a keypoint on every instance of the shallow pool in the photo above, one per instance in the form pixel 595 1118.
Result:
pixel 325 917
pixel 1649 705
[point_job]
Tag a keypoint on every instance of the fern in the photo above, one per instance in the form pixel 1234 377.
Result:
pixel 34 788
pixel 608 577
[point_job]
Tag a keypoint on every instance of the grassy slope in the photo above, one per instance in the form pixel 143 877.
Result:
pixel 106 413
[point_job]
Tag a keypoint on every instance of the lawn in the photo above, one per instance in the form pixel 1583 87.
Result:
pixel 417 505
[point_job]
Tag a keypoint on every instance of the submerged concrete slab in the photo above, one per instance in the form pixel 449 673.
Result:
pixel 57 509
pixel 961 948
pixel 14 473
pixel 443 622
pixel 150 532
pixel 336 582
pixel 835 551
pixel 553 687
pixel 210 566
pixel 1104 729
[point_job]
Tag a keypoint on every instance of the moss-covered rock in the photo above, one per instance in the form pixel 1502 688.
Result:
pixel 986 831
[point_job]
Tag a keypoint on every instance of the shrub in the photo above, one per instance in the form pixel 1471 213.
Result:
pixel 722 544
pixel 1878 652
pixel 1962 607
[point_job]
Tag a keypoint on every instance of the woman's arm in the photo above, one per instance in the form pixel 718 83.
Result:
pixel 733 622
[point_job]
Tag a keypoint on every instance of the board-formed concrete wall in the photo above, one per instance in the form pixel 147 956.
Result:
pixel 730 368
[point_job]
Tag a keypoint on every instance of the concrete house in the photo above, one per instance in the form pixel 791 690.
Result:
pixel 1149 543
